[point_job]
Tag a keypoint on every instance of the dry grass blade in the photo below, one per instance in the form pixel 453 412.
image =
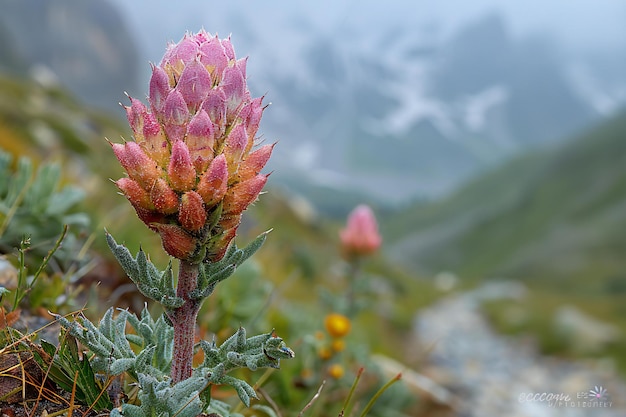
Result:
pixel 315 397
pixel 33 376
pixel 21 378
pixel 271 402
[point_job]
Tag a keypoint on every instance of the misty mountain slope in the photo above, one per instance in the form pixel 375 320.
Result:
pixel 535 101
pixel 560 214
pixel 393 114
pixel 85 45
pixel 418 118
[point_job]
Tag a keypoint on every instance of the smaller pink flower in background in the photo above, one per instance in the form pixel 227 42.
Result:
pixel 360 237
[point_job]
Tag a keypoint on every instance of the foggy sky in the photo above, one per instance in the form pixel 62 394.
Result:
pixel 587 24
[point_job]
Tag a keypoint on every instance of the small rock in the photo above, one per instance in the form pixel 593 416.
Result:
pixel 8 274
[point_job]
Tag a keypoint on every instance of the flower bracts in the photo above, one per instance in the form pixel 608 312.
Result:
pixel 193 167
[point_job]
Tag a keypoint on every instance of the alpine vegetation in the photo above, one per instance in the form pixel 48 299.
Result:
pixel 193 168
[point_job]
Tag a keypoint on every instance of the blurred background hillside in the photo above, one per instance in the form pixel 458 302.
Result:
pixel 489 137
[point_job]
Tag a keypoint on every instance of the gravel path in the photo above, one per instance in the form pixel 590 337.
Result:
pixel 491 375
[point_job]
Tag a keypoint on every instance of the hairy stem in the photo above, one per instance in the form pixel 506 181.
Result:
pixel 352 276
pixel 184 321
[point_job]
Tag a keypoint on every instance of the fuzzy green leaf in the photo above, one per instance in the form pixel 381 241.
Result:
pixel 111 345
pixel 123 256
pixel 171 302
pixel 143 270
pixel 213 273
pixel 135 339
pixel 221 275
pixel 121 365
pixel 5 165
pixel 159 398
pixel 236 257
pixel 128 410
pixel 262 351
pixel 144 359
pixel 253 246
pixel 244 390
pixel 221 409
pixel 19 181
pixel 152 283
pixel 64 200
pixel 42 186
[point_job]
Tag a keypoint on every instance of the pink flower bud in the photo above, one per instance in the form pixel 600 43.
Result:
pixel 251 114
pixel 241 64
pixel 137 164
pixel 165 199
pixel 254 162
pixel 194 84
pixel 193 147
pixel 185 51
pixel 200 140
pixel 159 90
pixel 213 56
pixel 213 183
pixel 150 217
pixel 135 113
pixel 192 215
pixel 181 173
pixel 241 195
pixel 215 106
pixel 234 86
pixel 176 241
pixel 137 196
pixel 360 237
pixel 201 37
pixel 176 114
pixel 178 55
pixel 235 145
pixel 155 144
pixel 229 221
pixel 228 48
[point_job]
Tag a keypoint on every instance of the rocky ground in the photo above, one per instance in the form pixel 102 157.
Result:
pixel 485 374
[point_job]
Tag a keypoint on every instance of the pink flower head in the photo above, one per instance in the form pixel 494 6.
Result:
pixel 194 156
pixel 360 237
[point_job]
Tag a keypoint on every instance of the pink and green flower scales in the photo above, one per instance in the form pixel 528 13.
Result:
pixel 193 167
